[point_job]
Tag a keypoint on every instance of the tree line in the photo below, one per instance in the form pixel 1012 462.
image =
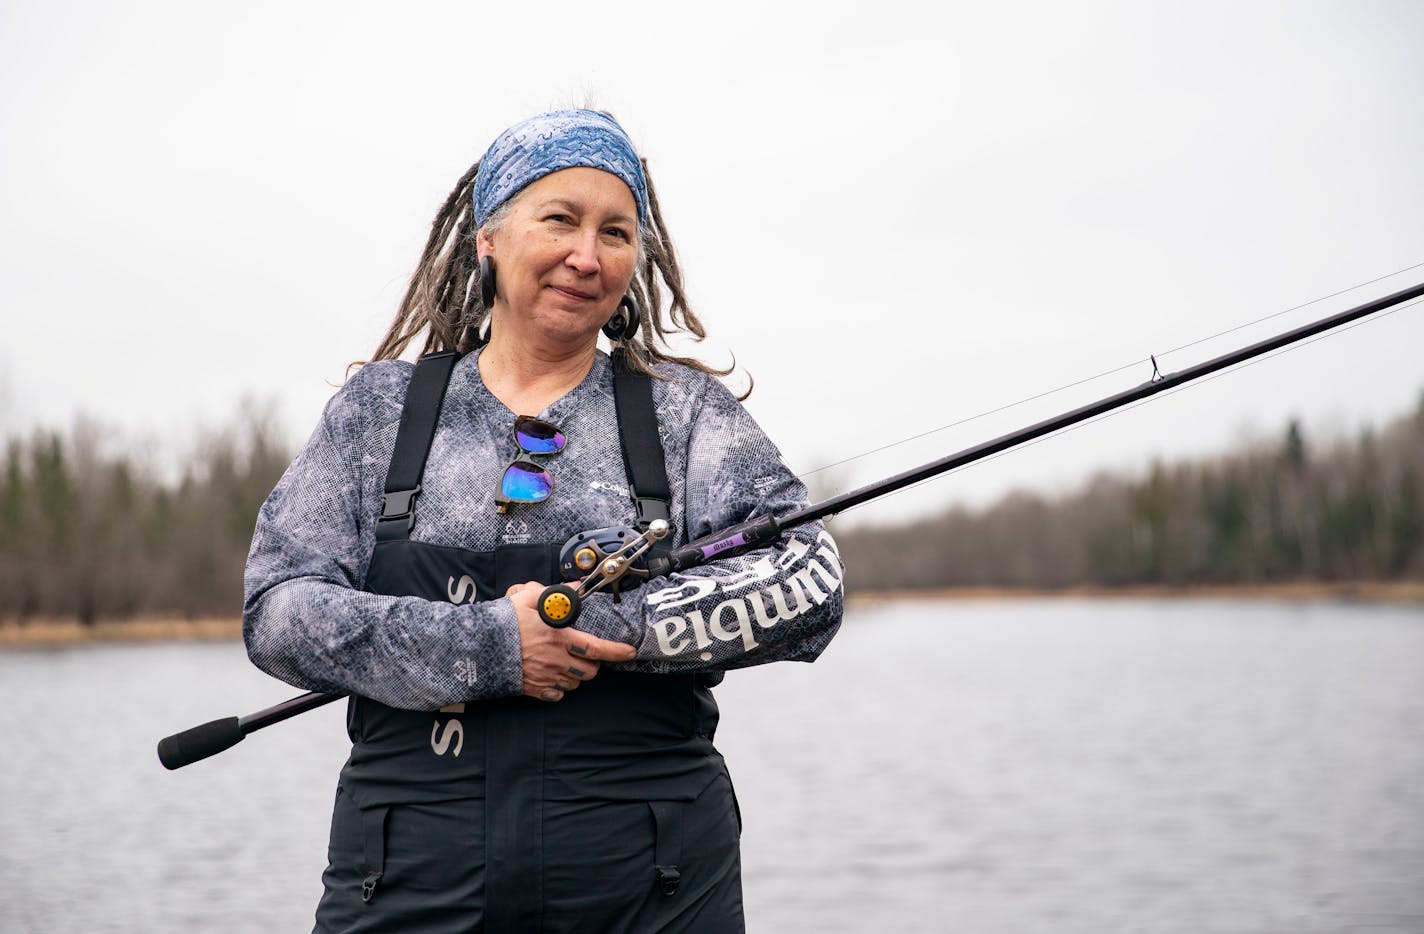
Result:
pixel 1272 512
pixel 91 533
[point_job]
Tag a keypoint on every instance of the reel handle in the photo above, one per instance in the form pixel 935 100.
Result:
pixel 559 606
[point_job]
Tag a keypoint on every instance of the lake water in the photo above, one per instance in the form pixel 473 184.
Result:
pixel 1018 766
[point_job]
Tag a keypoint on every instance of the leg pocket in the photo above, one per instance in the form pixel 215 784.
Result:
pixel 667 847
pixel 356 853
pixel 373 849
pixel 339 909
pixel 404 867
pixel 736 805
pixel 712 862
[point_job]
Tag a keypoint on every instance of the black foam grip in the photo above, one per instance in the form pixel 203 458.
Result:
pixel 188 747
pixel 740 538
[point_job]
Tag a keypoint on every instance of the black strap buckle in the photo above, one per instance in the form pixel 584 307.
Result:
pixel 668 878
pixel 650 509
pixel 399 505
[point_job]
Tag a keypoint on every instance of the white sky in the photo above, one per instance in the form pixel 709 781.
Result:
pixel 897 215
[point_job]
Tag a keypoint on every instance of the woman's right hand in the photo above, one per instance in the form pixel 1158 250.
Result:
pixel 557 661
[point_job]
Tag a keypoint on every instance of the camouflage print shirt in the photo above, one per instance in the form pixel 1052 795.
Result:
pixel 307 621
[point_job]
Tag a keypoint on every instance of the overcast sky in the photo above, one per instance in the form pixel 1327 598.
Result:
pixel 896 215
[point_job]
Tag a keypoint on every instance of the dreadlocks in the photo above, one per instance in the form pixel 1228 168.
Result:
pixel 443 300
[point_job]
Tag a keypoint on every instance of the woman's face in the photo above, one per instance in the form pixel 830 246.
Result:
pixel 564 257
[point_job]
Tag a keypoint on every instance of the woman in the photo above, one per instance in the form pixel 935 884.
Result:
pixel 494 784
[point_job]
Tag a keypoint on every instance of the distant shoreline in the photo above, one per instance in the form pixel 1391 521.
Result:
pixel 55 633
pixel 1303 591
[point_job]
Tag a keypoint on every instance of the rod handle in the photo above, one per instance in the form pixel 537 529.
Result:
pixel 199 742
pixel 740 538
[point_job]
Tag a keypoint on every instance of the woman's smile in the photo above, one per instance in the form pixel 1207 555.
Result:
pixel 573 293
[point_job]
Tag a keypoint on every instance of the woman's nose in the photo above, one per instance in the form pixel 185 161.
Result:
pixel 583 254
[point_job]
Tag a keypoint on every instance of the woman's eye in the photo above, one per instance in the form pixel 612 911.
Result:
pixel 559 218
pixel 618 232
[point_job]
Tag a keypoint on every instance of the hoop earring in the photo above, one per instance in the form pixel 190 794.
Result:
pixel 624 323
pixel 487 282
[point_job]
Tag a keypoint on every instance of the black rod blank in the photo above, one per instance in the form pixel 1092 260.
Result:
pixel 1150 388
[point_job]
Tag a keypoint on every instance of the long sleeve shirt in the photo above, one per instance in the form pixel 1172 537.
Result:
pixel 307 621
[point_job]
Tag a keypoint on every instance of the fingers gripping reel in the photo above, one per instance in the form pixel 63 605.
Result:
pixel 597 559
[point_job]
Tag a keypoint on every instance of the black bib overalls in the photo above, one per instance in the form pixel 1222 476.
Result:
pixel 609 810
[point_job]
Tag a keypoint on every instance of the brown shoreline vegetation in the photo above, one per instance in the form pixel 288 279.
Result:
pixel 54 633
pixel 51 633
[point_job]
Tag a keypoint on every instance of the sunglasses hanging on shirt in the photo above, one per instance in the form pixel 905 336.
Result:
pixel 524 480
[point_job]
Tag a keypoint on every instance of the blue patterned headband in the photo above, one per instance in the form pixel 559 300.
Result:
pixel 542 145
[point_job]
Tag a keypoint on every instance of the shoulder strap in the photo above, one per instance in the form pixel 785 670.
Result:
pixel 642 448
pixel 637 435
pixel 417 428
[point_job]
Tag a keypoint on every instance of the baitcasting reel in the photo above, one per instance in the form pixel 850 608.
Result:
pixel 600 558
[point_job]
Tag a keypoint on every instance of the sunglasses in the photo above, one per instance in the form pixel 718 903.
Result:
pixel 524 481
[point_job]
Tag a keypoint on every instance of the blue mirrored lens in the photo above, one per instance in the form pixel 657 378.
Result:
pixel 525 483
pixel 538 437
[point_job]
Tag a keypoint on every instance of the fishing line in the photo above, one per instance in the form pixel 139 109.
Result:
pixel 1126 366
pixel 1170 392
pixel 1314 301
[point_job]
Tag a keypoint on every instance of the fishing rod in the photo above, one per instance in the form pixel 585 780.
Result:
pixel 603 558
